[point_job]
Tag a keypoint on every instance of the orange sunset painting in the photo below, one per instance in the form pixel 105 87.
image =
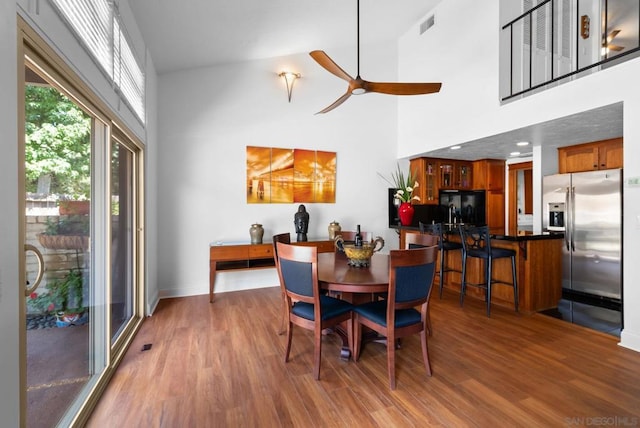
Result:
pixel 277 175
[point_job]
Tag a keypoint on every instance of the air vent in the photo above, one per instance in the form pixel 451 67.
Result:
pixel 427 24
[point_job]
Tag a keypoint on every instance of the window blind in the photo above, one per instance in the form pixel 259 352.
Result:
pixel 98 26
pixel 128 74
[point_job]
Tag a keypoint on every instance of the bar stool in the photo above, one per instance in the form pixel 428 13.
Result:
pixel 476 242
pixel 444 245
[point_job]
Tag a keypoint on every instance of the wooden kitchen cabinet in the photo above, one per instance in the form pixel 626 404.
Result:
pixel 455 174
pixel 464 174
pixel 605 154
pixel 486 174
pixel 489 175
pixel 435 174
pixel 426 171
pixel 495 208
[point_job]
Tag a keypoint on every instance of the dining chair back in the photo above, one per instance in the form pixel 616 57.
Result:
pixel 476 242
pixel 445 246
pixel 413 240
pixel 411 274
pixel 285 238
pixel 306 306
pixel 419 240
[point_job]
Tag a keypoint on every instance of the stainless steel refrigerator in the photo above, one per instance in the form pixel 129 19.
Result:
pixel 587 207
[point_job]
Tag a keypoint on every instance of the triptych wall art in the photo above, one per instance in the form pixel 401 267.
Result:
pixel 290 176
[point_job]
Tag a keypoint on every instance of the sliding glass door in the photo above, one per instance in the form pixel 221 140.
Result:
pixel 124 223
pixel 60 309
pixel 83 223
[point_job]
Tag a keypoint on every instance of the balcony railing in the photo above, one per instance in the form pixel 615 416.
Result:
pixel 558 40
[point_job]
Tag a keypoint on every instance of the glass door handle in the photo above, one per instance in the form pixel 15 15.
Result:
pixel 34 250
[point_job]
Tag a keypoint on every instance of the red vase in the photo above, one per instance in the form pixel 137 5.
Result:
pixel 405 212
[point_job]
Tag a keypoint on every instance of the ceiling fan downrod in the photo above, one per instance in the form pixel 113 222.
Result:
pixel 358 89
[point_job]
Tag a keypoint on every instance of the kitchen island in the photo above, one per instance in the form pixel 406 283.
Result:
pixel 538 267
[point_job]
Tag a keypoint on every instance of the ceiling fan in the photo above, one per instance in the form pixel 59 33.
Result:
pixel 360 86
pixel 610 46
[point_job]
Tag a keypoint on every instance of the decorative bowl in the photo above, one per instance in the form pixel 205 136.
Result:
pixel 359 256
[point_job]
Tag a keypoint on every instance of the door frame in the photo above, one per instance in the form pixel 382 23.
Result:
pixel 42 55
pixel 513 170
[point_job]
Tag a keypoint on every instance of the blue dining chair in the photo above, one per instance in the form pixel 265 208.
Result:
pixel 413 240
pixel 411 274
pixel 306 306
pixel 284 238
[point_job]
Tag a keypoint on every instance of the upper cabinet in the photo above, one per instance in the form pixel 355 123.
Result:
pixel 455 174
pixel 488 174
pixel 605 154
pixel 435 174
pixel 426 171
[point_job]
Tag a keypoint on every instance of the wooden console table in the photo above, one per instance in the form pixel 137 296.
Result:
pixel 237 255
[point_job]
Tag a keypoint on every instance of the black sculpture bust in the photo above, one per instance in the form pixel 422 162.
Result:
pixel 301 220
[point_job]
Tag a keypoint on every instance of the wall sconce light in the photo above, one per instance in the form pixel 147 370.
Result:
pixel 290 78
pixel 585 24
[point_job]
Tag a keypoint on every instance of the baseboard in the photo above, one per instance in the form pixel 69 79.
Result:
pixel 227 281
pixel 630 340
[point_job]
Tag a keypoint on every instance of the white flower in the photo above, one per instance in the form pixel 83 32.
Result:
pixel 404 190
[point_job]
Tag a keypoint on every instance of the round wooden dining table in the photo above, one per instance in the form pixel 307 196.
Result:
pixel 354 284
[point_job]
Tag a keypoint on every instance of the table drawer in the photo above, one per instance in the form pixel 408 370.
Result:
pixel 260 251
pixel 229 252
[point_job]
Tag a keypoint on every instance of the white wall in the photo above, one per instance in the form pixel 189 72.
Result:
pixel 151 190
pixel 207 118
pixel 461 51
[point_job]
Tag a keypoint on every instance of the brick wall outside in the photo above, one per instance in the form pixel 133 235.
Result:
pixel 57 262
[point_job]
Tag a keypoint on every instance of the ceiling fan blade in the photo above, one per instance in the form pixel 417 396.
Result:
pixel 359 86
pixel 402 88
pixel 614 47
pixel 336 103
pixel 612 35
pixel 328 64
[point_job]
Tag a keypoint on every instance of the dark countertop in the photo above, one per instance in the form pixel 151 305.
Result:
pixel 528 236
pixel 517 236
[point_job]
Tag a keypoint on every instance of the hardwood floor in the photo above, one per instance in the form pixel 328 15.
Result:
pixel 222 364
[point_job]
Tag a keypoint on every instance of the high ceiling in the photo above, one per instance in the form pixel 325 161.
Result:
pixel 196 33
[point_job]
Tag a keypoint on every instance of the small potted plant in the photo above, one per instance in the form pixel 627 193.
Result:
pixel 79 205
pixel 404 186
pixel 71 233
pixel 63 298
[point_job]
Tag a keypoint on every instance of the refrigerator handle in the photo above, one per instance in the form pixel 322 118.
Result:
pixel 573 216
pixel 567 225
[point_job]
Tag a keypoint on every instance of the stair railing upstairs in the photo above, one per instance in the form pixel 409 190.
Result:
pixel 554 41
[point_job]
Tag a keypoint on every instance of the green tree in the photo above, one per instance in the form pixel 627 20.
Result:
pixel 58 142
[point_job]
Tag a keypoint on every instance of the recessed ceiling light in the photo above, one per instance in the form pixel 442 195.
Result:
pixel 523 143
pixel 514 153
pixel 455 147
